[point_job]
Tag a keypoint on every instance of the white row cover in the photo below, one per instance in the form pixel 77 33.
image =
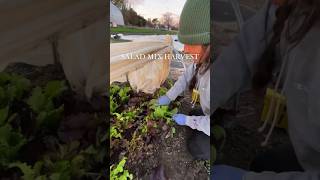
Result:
pixel 145 64
pixel 116 15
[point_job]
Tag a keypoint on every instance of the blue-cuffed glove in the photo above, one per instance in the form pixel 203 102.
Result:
pixel 224 172
pixel 164 100
pixel 180 119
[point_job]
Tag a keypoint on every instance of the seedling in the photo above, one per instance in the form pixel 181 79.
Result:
pixel 59 169
pixel 162 91
pixel 163 112
pixel 4 113
pixel 41 102
pixel 114 133
pixel 118 172
pixel 126 117
pixel 153 104
pixel 170 83
pixel 113 105
pixel 29 172
pixel 133 144
pixel 144 128
pixel 114 89
pixel 173 131
pixel 12 87
pixel 10 143
pixel 123 94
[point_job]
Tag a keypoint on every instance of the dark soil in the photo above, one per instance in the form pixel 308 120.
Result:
pixel 178 164
pixel 243 141
pixel 161 156
pixel 39 75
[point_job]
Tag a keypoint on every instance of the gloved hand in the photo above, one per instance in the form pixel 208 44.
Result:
pixel 224 172
pixel 180 119
pixel 164 100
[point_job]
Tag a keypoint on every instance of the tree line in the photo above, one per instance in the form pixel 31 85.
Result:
pixel 131 17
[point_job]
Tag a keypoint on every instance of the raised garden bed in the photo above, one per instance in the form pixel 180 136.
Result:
pixel 47 131
pixel 146 143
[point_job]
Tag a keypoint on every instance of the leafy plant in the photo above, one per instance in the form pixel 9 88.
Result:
pixel 114 89
pixel 169 83
pixel 113 105
pixel 4 113
pixel 54 89
pixel 42 99
pixel 126 116
pixel 50 119
pixel 13 86
pixel 65 162
pixel 114 133
pixel 98 152
pixel 30 173
pixel 4 78
pixel 163 112
pixel 65 169
pixel 123 94
pixel 3 96
pixel 118 172
pixel 173 130
pixel 48 170
pixel 144 128
pixel 153 104
pixel 59 161
pixel 162 91
pixel 41 102
pixel 136 142
pixel 10 144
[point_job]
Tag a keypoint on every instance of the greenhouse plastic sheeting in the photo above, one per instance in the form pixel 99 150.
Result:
pixel 116 15
pixel 144 64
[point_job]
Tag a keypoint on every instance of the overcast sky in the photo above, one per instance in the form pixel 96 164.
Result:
pixel 155 8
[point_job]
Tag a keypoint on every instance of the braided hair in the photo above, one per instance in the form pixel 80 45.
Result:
pixel 264 69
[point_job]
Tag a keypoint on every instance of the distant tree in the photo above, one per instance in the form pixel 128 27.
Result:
pixel 142 21
pixel 132 18
pixel 162 26
pixel 149 23
pixel 167 19
pixel 121 4
pixel 155 21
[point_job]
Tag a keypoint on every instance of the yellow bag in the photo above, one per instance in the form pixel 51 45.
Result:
pixel 282 121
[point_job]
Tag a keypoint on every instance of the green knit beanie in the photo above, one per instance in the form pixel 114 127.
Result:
pixel 194 25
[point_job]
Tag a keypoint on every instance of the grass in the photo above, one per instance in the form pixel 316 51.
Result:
pixel 141 31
